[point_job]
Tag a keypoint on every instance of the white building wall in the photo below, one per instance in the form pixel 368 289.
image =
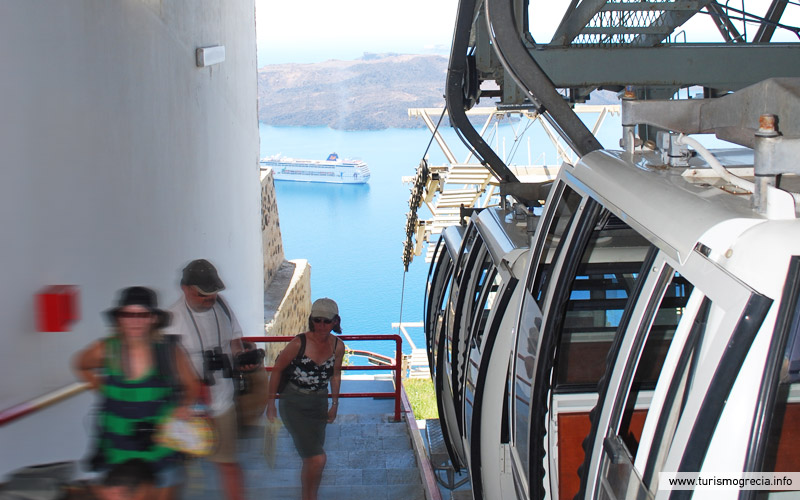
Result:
pixel 121 161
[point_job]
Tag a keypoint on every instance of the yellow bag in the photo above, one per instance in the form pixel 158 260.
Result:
pixel 193 436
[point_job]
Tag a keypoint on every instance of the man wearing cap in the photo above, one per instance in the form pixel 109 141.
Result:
pixel 211 335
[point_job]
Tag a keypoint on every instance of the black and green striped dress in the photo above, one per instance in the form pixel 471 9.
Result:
pixel 131 410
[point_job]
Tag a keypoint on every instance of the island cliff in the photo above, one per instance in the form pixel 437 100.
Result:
pixel 370 93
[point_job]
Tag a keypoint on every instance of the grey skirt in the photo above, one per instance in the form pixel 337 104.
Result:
pixel 305 416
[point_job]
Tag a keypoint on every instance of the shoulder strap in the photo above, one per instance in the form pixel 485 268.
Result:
pixel 225 309
pixel 165 358
pixel 302 350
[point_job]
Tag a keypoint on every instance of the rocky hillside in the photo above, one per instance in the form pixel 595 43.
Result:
pixel 374 92
pixel 370 93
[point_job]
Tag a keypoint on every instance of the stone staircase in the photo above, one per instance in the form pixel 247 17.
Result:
pixel 369 456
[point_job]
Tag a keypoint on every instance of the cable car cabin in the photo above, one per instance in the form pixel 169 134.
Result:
pixel 472 293
pixel 655 328
pixel 657 314
pixel 437 295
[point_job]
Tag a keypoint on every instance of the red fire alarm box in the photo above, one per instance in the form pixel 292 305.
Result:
pixel 56 308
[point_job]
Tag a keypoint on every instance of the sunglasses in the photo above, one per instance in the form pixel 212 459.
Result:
pixel 128 314
pixel 322 320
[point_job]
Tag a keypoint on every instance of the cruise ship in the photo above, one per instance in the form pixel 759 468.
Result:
pixel 332 170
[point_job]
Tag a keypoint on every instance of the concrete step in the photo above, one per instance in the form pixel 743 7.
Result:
pixel 368 457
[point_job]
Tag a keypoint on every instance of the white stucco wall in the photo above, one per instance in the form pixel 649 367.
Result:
pixel 121 161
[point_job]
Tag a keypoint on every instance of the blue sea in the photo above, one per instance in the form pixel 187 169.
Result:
pixel 352 235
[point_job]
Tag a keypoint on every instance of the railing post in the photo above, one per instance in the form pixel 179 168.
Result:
pixel 398 364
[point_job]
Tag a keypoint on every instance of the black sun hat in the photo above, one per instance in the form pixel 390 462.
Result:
pixel 139 296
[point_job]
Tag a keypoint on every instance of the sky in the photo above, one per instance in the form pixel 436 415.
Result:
pixel 318 30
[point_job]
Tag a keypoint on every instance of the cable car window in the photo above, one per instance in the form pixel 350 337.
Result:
pixel 487 301
pixel 780 393
pixel 488 292
pixel 470 248
pixel 486 269
pixel 659 337
pixel 605 278
pixel 438 282
pixel 677 392
pixel 438 290
pixel 440 321
pixel 562 220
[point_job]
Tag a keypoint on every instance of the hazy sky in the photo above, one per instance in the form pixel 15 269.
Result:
pixel 317 30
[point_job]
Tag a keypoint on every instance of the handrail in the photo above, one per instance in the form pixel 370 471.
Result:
pixel 373 357
pixel 20 410
pixel 403 325
pixel 397 366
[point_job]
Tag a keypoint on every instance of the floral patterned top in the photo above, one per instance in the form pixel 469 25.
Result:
pixel 311 376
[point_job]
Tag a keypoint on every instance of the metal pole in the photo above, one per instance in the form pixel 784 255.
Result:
pixel 397 380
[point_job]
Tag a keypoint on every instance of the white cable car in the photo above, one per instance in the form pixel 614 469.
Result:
pixel 656 327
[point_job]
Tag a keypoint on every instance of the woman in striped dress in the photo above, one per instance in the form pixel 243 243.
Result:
pixel 142 379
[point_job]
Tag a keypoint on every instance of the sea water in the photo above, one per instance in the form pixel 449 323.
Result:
pixel 352 235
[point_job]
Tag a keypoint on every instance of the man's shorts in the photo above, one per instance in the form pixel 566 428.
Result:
pixel 225 429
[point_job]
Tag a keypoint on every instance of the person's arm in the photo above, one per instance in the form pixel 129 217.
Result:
pixel 284 358
pixel 336 381
pixel 189 381
pixel 87 363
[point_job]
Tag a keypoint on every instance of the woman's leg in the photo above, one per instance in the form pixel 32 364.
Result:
pixel 311 475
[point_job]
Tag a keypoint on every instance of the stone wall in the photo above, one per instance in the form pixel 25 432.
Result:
pixel 291 316
pixel 287 284
pixel 270 228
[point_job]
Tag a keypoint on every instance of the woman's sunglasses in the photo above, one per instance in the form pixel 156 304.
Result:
pixel 128 314
pixel 322 320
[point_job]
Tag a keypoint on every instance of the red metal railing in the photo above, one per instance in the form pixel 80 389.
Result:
pixel 20 410
pixel 396 366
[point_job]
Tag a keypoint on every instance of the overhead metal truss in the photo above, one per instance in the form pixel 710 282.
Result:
pixel 446 190
pixel 610 44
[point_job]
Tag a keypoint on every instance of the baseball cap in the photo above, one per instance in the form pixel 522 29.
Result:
pixel 202 275
pixel 324 308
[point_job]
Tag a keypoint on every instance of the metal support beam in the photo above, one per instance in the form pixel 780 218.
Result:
pixel 508 43
pixel 575 20
pixel 724 23
pixel 669 21
pixel 767 28
pixel 719 66
pixel 455 99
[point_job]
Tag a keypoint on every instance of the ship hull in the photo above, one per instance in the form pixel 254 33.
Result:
pixel 333 179
pixel 331 171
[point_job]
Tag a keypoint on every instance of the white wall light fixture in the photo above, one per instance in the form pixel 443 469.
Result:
pixel 206 56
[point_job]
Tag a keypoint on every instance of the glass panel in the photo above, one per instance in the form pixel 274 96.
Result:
pixel 675 399
pixel 524 364
pixel 660 336
pixel 562 220
pixel 487 295
pixel 620 480
pixel 528 336
pixel 440 289
pixel 782 451
pixel 486 269
pixel 604 281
